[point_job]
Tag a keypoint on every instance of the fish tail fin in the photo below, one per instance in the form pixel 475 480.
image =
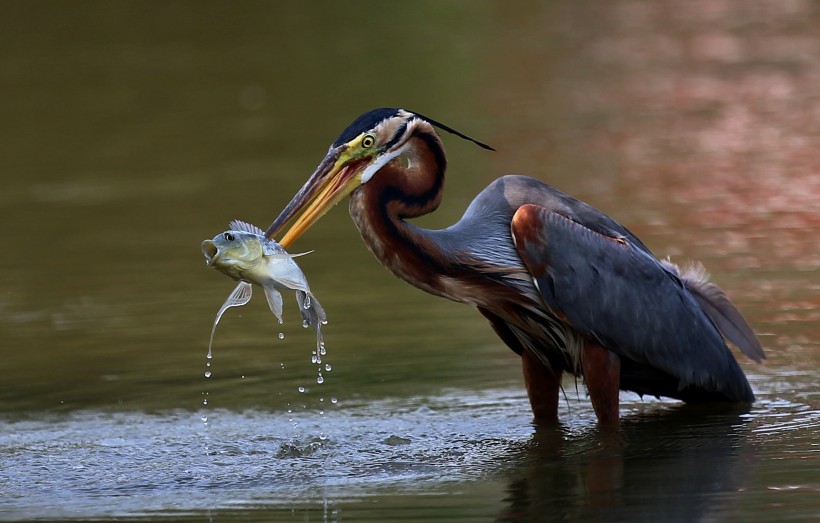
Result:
pixel 312 313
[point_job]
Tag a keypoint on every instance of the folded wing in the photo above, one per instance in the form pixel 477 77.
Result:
pixel 612 291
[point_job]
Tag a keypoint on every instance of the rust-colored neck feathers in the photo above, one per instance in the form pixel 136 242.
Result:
pixel 407 187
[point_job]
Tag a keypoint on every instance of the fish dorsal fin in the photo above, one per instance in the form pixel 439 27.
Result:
pixel 239 225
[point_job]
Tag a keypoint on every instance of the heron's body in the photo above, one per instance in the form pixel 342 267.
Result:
pixel 564 285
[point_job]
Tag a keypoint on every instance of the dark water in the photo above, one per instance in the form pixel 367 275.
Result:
pixel 131 131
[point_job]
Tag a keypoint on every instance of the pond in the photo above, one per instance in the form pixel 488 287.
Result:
pixel 133 131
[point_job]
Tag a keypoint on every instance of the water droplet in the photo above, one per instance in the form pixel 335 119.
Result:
pixel 305 324
pixel 281 335
pixel 210 355
pixel 324 322
pixel 243 376
pixel 207 363
pixel 334 400
pixel 322 350
pixel 321 399
pixel 320 379
pixel 301 389
pixel 328 367
pixel 282 365
pixel 207 374
pixel 205 401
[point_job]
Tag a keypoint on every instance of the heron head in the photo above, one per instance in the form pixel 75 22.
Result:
pixel 372 141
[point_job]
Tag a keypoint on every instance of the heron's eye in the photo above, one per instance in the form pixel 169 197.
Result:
pixel 229 237
pixel 368 141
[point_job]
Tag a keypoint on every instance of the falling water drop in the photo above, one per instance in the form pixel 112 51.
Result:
pixel 205 401
pixel 328 367
pixel 281 335
pixel 334 400
pixel 207 374
pixel 301 389
pixel 320 379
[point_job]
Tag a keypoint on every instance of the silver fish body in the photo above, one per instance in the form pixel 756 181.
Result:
pixel 244 254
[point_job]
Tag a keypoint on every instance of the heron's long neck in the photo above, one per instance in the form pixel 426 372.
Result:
pixel 379 209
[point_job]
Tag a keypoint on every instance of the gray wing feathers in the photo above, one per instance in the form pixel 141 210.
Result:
pixel 615 292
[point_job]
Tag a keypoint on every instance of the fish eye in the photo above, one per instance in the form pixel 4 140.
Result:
pixel 229 237
pixel 368 141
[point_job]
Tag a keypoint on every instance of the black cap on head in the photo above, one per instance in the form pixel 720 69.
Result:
pixel 370 119
pixel 364 123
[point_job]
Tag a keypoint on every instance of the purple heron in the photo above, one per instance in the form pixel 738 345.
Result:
pixel 565 286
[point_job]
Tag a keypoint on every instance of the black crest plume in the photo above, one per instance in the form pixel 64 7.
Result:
pixel 370 119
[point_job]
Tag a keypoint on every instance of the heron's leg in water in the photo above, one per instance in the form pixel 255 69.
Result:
pixel 602 370
pixel 542 385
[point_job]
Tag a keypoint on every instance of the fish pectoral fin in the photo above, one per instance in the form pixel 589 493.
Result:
pixel 240 296
pixel 274 302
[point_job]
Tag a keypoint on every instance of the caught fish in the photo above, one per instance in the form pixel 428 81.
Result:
pixel 246 255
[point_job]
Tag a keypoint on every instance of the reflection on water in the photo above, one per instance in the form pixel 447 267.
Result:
pixel 476 447
pixel 686 458
pixel 133 131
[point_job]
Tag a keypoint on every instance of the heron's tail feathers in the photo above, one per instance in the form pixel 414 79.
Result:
pixel 723 313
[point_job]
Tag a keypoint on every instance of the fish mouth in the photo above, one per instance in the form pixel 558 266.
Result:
pixel 210 250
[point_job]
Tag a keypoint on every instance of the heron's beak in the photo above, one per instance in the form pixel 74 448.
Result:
pixel 335 178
